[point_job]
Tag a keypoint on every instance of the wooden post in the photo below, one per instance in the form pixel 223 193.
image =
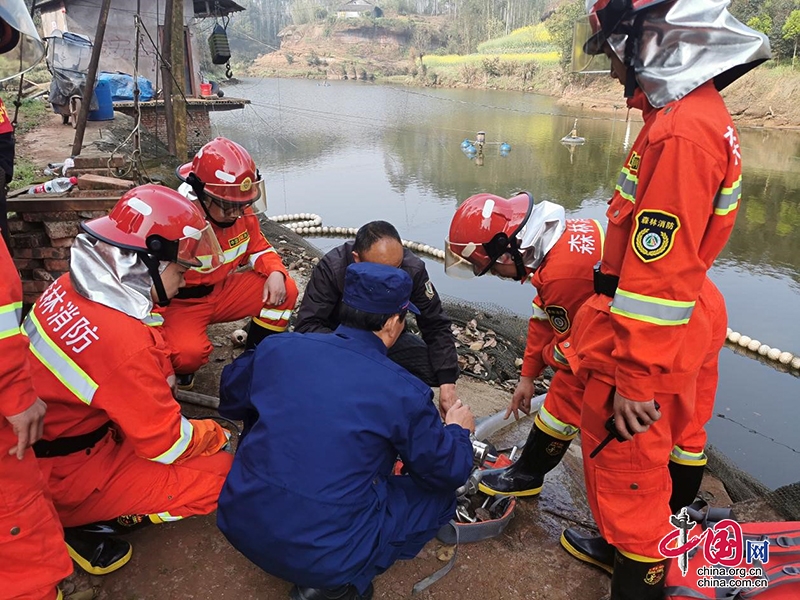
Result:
pixel 179 84
pixel 166 64
pixel 88 92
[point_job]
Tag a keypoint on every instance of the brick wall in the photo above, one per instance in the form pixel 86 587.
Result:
pixel 198 125
pixel 41 238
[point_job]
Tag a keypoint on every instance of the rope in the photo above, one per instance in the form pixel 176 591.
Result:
pixel 310 224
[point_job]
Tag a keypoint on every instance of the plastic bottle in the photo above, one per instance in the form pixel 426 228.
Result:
pixel 59 185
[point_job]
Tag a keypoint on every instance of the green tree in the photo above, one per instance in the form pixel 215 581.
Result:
pixel 791 31
pixel 561 23
pixel 762 23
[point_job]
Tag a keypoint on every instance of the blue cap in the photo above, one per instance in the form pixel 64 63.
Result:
pixel 378 289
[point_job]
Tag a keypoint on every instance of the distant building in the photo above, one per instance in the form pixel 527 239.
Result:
pixel 358 8
pixel 80 16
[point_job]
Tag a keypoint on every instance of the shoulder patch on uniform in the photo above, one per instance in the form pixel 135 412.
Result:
pixel 654 234
pixel 242 237
pixel 429 291
pixel 559 317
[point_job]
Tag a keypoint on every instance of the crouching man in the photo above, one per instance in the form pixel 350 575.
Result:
pixel 311 497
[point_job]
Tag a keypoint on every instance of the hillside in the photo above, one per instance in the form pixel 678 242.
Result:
pixel 398 50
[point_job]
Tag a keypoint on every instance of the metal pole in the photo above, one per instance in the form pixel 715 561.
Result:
pixel 166 66
pixel 77 144
pixel 18 103
pixel 178 62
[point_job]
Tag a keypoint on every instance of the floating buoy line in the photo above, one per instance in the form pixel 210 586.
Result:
pixel 311 224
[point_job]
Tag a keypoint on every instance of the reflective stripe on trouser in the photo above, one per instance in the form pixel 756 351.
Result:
pixel 112 481
pixel 10 315
pixel 238 296
pixel 628 484
pixel 33 556
pixel 561 413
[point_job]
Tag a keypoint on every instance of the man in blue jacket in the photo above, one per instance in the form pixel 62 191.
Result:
pixel 311 497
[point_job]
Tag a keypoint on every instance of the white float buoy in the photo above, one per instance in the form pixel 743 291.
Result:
pixel 753 345
pixel 764 349
pixel 773 354
pixel 744 341
pixel 785 358
pixel 796 362
pixel 730 331
pixel 239 337
pixel 734 336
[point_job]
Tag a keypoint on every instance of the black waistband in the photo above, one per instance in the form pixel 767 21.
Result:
pixel 70 445
pixel 605 284
pixel 194 291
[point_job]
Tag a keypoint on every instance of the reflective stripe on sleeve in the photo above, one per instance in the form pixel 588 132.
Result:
pixel 254 257
pixel 601 233
pixel 10 315
pixel 153 320
pixel 57 362
pixel 538 313
pixel 727 199
pixel 627 184
pixel 651 309
pixel 558 356
pixel 179 447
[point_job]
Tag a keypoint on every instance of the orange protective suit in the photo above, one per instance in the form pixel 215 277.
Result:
pixel 94 365
pixel 563 282
pixel 33 556
pixel 234 295
pixel 671 214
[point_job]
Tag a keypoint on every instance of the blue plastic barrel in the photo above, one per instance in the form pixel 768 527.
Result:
pixel 105 107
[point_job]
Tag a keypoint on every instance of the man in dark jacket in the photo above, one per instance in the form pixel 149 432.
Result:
pixel 433 360
pixel 311 497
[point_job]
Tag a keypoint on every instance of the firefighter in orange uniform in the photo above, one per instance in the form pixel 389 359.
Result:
pixel 516 238
pixel 33 558
pixel 224 181
pixel 560 255
pixel 116 451
pixel 644 338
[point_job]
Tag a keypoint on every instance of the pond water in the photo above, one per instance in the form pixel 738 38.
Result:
pixel 354 152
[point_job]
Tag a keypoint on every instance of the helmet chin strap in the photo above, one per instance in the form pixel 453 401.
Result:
pixel 501 244
pixel 198 187
pixel 152 264
pixel 632 45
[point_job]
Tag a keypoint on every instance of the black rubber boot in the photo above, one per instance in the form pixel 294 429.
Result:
pixel 686 480
pixel 345 592
pixel 592 549
pixel 119 526
pixel 542 452
pixel 185 381
pixel 255 334
pixel 96 554
pixel 634 580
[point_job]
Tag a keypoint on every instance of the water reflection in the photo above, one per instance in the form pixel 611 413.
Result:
pixel 355 152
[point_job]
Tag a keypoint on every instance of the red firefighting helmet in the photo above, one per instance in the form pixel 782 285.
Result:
pixel 160 223
pixel 19 41
pixel 227 174
pixel 484 231
pixel 605 17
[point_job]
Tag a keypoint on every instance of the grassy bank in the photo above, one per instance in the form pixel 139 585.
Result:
pixel 32 114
